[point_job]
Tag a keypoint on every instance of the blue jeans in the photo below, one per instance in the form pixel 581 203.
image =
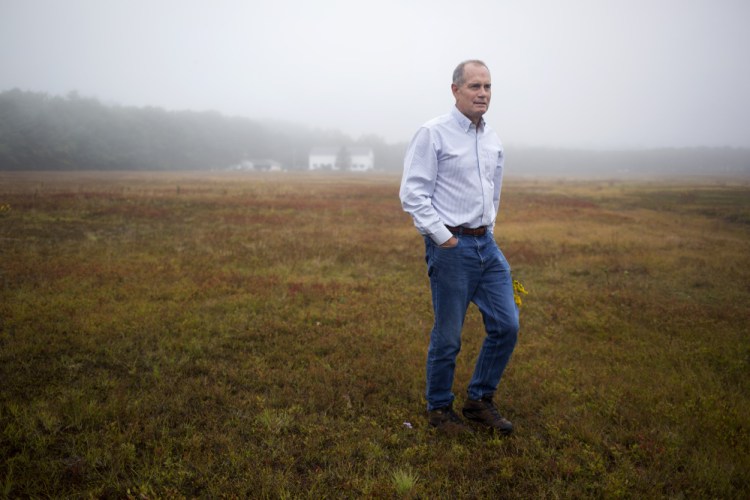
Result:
pixel 473 271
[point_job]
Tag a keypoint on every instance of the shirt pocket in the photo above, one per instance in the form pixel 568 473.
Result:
pixel 456 165
pixel 492 162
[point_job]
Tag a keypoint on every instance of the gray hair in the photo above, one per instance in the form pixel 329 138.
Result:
pixel 458 73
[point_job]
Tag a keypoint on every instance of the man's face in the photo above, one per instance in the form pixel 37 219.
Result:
pixel 473 96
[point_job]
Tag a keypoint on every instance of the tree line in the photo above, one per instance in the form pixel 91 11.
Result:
pixel 43 132
pixel 722 162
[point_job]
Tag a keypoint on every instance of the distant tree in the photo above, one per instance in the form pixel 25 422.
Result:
pixel 344 159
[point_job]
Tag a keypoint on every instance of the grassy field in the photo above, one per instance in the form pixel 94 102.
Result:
pixel 198 335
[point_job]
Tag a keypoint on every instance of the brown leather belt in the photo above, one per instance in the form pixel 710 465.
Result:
pixel 479 231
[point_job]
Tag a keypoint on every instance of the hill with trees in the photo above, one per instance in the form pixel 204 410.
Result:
pixel 43 132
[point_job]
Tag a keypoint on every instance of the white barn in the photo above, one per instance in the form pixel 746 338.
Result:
pixel 359 159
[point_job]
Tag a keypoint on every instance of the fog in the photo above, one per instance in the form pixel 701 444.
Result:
pixel 575 74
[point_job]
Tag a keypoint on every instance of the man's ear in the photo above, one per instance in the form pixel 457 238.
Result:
pixel 454 89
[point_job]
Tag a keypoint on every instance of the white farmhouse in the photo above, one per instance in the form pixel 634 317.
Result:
pixel 363 160
pixel 323 158
pixel 262 165
pixel 355 159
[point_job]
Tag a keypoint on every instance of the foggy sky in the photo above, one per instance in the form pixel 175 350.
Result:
pixel 576 73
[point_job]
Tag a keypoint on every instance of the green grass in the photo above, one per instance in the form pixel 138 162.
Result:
pixel 198 335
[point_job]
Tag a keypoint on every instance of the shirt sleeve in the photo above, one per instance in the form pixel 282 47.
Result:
pixel 418 186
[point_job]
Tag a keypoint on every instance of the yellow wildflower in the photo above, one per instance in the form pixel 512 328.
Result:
pixel 518 290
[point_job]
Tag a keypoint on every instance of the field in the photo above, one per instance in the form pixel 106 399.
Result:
pixel 217 335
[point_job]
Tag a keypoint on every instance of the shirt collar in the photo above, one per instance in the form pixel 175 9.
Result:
pixel 464 121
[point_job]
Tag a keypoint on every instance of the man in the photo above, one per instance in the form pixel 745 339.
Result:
pixel 453 172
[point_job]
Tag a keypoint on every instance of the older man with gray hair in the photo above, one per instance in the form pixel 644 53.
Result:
pixel 453 173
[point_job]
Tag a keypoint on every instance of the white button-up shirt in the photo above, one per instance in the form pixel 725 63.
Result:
pixel 453 172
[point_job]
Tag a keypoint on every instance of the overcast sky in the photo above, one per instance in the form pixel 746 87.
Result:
pixel 570 73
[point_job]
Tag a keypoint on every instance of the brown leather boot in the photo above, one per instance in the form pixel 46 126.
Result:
pixel 484 412
pixel 446 421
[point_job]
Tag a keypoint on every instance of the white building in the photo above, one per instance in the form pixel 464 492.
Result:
pixel 354 159
pixel 262 165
